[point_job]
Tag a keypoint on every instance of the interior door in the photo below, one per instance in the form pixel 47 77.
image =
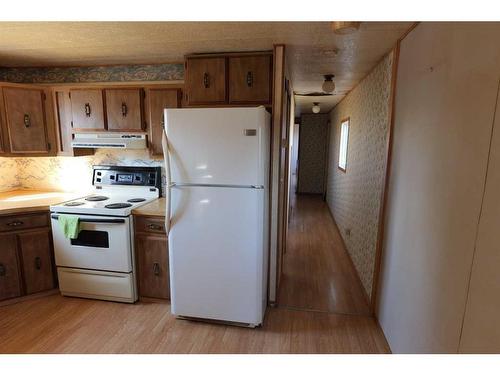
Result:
pixel 87 109
pixel 158 100
pixel 124 109
pixel 217 250
pixel 25 115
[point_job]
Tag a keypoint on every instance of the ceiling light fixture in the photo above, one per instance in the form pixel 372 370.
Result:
pixel 345 27
pixel 328 85
pixel 316 108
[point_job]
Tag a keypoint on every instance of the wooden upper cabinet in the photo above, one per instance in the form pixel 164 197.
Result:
pixel 124 109
pixel 64 120
pixel 157 101
pixel 87 110
pixel 25 120
pixel 205 81
pixel 250 79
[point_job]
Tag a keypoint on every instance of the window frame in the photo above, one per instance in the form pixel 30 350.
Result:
pixel 342 122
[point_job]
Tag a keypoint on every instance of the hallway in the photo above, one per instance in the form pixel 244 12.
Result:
pixel 318 274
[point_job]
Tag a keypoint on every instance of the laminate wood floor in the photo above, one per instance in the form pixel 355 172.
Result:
pixel 317 271
pixel 57 324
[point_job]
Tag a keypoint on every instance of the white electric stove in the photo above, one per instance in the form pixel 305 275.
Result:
pixel 100 262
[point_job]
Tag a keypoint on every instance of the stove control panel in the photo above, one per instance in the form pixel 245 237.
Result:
pixel 122 175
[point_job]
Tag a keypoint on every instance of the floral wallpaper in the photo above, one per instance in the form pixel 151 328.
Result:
pixel 313 138
pixel 70 174
pixel 86 74
pixel 354 196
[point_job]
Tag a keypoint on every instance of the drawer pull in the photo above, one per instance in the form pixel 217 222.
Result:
pixel 15 223
pixel 38 263
pixel 156 269
pixel 155 227
pixel 87 109
pixel 124 109
pixel 249 79
pixel 2 270
pixel 206 80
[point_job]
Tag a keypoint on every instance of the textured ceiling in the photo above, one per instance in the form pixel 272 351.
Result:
pixel 312 47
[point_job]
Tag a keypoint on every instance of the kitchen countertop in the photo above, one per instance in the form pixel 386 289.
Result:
pixel 154 208
pixel 18 201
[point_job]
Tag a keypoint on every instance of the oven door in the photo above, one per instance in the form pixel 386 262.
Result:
pixel 104 243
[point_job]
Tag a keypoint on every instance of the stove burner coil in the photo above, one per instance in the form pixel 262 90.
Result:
pixel 117 205
pixel 136 200
pixel 96 198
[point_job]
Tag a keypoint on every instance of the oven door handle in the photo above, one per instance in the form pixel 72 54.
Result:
pixel 95 221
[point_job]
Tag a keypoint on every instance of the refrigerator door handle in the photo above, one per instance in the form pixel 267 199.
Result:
pixel 168 176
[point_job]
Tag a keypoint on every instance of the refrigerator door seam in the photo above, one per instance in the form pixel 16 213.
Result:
pixel 217 185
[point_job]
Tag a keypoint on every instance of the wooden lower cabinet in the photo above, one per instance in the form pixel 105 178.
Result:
pixel 26 256
pixel 36 256
pixel 152 260
pixel 10 281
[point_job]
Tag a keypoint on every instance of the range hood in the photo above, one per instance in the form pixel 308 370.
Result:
pixel 109 140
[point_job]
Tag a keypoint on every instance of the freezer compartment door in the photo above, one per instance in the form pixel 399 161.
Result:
pixel 216 249
pixel 226 146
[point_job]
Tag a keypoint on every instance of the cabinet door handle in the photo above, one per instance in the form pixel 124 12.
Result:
pixel 15 223
pixel 2 270
pixel 27 120
pixel 155 227
pixel 38 263
pixel 156 269
pixel 249 79
pixel 206 80
pixel 87 109
pixel 124 109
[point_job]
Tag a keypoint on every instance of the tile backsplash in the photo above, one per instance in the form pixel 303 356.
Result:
pixel 66 173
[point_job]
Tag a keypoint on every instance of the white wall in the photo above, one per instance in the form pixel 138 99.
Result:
pixel 481 330
pixel 445 98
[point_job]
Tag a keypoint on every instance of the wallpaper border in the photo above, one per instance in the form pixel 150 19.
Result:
pixel 88 74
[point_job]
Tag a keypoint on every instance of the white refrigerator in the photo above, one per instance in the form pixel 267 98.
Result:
pixel 217 172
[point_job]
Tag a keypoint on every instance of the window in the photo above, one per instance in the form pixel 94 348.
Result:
pixel 344 139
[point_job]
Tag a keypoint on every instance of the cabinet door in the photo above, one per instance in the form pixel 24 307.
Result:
pixel 10 283
pixel 87 110
pixel 25 115
pixel 124 109
pixel 37 261
pixel 205 80
pixel 250 79
pixel 153 274
pixel 158 100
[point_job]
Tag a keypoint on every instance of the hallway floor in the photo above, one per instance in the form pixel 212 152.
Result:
pixel 318 274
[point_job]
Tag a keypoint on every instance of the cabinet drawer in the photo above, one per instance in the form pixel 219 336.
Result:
pixel 153 270
pixel 150 224
pixel 37 261
pixel 18 222
pixel 10 283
